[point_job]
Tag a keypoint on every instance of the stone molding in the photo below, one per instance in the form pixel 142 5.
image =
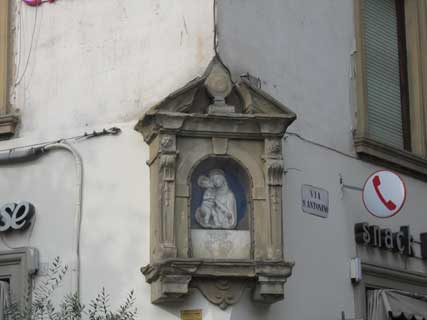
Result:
pixel 221 281
pixel 8 124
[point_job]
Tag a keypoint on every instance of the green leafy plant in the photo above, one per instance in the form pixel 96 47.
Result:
pixel 38 305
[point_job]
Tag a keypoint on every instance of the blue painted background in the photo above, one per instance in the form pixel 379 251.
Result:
pixel 238 183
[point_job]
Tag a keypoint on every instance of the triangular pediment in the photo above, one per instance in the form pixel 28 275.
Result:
pixel 215 95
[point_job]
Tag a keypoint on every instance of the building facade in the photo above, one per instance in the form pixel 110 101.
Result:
pixel 72 72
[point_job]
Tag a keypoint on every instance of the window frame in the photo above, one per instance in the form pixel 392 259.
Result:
pixel 8 121
pixel 376 276
pixel 412 162
pixel 19 266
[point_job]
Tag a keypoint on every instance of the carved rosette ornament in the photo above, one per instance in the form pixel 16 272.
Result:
pixel 216 176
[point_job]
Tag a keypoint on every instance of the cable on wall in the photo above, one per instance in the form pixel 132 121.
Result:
pixel 215 40
pixel 13 152
pixel 30 153
pixel 63 145
pixel 19 78
pixel 297 135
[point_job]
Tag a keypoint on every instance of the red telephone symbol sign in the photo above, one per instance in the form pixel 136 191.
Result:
pixel 390 205
pixel 384 194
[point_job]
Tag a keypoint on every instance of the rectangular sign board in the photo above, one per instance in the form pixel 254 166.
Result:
pixel 314 201
pixel 191 315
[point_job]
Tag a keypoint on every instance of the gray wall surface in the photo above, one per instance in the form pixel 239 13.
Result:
pixel 302 52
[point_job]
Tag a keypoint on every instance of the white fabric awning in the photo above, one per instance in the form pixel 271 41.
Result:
pixel 386 304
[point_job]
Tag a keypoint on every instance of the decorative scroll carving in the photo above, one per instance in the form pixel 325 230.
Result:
pixel 274 172
pixel 223 292
pixel 167 165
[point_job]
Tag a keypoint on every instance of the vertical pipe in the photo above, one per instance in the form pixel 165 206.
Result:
pixel 78 210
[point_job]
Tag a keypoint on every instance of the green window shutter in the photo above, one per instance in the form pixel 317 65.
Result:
pixel 383 72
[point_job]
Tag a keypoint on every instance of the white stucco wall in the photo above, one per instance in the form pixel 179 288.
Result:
pixel 98 62
pixel 93 65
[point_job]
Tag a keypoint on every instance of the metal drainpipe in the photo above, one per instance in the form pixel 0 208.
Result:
pixel 78 210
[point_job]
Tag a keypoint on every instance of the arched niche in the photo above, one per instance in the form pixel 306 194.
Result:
pixel 220 216
pixel 216 130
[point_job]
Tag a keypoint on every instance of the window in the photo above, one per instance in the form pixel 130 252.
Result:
pixel 386 290
pixel 391 78
pixel 16 268
pixel 7 122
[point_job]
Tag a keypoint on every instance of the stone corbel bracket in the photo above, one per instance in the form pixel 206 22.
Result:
pixel 221 282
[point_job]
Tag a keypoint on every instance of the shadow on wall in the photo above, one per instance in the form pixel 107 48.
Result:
pixel 247 309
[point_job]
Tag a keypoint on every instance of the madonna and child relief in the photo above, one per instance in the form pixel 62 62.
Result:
pixel 220 218
pixel 218 209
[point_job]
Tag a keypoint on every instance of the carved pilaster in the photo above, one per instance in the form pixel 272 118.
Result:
pixel 167 166
pixel 274 172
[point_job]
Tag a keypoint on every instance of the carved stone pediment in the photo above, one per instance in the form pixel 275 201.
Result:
pixel 216 172
pixel 253 112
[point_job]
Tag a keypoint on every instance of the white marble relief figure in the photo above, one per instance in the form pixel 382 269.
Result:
pixel 218 209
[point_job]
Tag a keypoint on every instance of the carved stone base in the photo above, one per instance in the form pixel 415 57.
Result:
pixel 222 282
pixel 169 288
pixel 269 289
pixel 167 251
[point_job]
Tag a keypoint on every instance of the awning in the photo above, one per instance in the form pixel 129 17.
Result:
pixel 386 304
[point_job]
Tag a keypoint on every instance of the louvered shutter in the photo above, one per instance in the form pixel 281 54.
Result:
pixel 383 72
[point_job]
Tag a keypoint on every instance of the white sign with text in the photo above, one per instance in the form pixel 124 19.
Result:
pixel 315 201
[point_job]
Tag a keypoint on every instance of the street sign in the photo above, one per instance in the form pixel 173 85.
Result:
pixel 314 201
pixel 384 194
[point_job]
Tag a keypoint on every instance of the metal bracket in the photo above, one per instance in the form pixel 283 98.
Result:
pixel 347 186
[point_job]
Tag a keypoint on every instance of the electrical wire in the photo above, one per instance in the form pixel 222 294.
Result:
pixel 18 66
pixel 215 40
pixel 112 131
pixel 294 134
pixel 19 78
